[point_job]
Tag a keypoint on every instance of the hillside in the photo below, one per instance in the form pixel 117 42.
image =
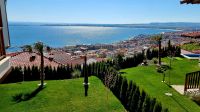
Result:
pixel 150 80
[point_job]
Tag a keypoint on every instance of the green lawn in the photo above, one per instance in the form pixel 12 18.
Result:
pixel 60 96
pixel 148 79
pixel 191 46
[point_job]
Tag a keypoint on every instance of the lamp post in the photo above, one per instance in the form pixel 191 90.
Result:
pixel 85 83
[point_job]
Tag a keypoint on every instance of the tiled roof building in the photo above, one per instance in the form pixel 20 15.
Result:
pixel 24 59
pixel 59 56
pixel 191 34
pixel 53 59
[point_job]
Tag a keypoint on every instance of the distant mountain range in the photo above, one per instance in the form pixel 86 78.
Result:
pixel 169 25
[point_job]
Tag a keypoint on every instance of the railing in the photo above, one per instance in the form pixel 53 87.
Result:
pixel 192 81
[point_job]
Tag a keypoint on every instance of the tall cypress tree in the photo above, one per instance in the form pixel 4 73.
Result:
pixel 141 101
pixel 119 85
pixel 152 103
pixel 135 100
pixel 123 91
pixel 146 104
pixel 157 107
pixel 25 73
pixel 166 110
pixel 128 93
pixel 131 94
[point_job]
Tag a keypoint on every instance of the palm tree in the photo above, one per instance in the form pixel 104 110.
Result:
pixel 39 47
pixel 158 38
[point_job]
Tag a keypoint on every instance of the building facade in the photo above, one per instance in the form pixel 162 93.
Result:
pixel 4 41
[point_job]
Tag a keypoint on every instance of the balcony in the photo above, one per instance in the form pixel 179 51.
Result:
pixel 4 68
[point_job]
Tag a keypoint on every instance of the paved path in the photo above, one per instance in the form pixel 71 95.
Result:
pixel 179 88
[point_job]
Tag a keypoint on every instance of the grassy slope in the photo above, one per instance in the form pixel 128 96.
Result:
pixel 149 80
pixel 60 96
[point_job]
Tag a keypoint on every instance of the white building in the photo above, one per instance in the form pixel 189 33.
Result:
pixel 4 41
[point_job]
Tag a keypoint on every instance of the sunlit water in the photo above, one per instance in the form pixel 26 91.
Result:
pixel 59 36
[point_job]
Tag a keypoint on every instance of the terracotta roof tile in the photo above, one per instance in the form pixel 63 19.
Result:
pixel 23 59
pixel 191 34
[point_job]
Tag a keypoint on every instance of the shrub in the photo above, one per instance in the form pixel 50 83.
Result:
pixel 155 61
pixel 76 73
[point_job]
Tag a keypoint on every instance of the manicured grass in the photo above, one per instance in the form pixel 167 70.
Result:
pixel 191 46
pixel 180 67
pixel 60 96
pixel 150 80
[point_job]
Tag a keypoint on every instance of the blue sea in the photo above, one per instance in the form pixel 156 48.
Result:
pixel 60 36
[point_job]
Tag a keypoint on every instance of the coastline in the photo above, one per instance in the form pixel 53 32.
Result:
pixel 67 36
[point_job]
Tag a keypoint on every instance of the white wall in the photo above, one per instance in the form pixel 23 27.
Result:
pixel 5 23
pixel 4 67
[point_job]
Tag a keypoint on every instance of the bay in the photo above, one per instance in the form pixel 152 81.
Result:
pixel 60 36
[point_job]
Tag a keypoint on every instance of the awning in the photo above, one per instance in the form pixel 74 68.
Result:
pixel 190 1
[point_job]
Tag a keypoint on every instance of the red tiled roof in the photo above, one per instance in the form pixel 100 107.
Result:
pixel 191 34
pixel 196 51
pixel 23 59
pixel 65 58
pixel 13 54
pixel 61 57
pixel 80 61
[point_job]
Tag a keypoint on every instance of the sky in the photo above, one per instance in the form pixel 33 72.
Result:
pixel 101 11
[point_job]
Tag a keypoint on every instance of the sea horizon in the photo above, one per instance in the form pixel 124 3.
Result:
pixel 61 35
